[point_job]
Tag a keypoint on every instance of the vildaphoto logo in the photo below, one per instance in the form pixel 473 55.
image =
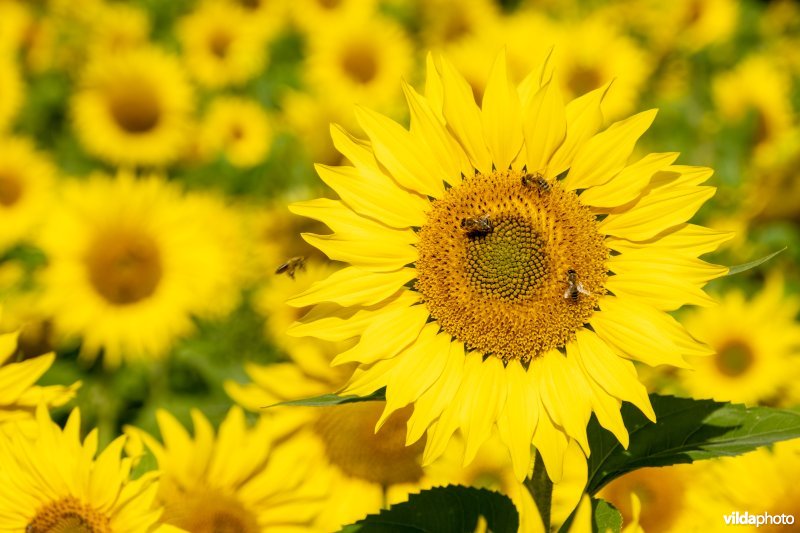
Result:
pixel 747 519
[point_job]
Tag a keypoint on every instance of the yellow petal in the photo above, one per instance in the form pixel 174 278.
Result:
pixel 545 126
pixel 485 382
pixel 582 523
pixel 463 116
pixel 615 375
pixel 440 394
pixel 565 394
pixel 377 255
pixel 517 422
pixel 402 154
pixel 605 154
pixel 375 196
pixel 584 118
pixel 656 212
pixel 434 91
pixel 16 378
pixel 635 329
pixel 629 183
pixel 500 115
pixel 663 293
pixel 387 334
pixel 419 366
pixel 347 223
pixel 568 491
pixel 353 286
pixel 551 443
pixel 665 265
pixel 366 380
pixel 687 239
pixel 429 128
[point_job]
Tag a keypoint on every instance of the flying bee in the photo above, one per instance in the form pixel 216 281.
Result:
pixel 477 226
pixel 574 287
pixel 290 266
pixel 536 180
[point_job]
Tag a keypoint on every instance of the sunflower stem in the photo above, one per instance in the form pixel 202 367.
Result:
pixel 541 488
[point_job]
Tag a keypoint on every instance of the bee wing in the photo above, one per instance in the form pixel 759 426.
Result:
pixel 568 292
pixel 582 290
pixel 281 269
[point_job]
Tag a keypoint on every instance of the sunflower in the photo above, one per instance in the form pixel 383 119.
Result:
pixel 130 261
pixel 19 395
pixel 759 85
pixel 26 181
pixel 756 343
pixel 54 483
pixel 234 481
pixel 507 262
pixel 221 44
pixel 312 15
pixel 11 92
pixel 763 481
pixel 133 108
pixel 666 496
pixel 237 128
pixel 450 21
pixel 358 59
pixel 116 28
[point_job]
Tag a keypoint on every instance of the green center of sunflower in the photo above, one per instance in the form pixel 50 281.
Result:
pixel 68 516
pixel 511 264
pixel 10 189
pixel 348 434
pixel 360 64
pixel 210 512
pixel 135 107
pixel 734 359
pixel 124 266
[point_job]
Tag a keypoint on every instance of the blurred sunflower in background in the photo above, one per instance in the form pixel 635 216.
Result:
pixel 756 343
pixel 134 108
pixel 231 481
pixel 514 242
pixel 222 45
pixel 130 262
pixel 27 178
pixel 237 129
pixel 498 216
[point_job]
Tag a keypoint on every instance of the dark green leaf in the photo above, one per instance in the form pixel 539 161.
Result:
pixel 737 269
pixel 334 399
pixel 605 517
pixel 687 430
pixel 450 509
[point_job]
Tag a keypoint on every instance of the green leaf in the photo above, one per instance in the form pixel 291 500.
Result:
pixel 605 517
pixel 334 399
pixel 737 269
pixel 450 509
pixel 687 430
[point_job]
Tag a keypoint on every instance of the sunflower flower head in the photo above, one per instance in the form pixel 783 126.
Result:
pixel 53 482
pixel 506 262
pixel 233 480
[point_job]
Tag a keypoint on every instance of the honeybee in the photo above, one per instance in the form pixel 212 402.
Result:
pixel 290 266
pixel 574 287
pixel 477 226
pixel 536 180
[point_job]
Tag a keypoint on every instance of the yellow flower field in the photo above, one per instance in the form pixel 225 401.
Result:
pixel 399 265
